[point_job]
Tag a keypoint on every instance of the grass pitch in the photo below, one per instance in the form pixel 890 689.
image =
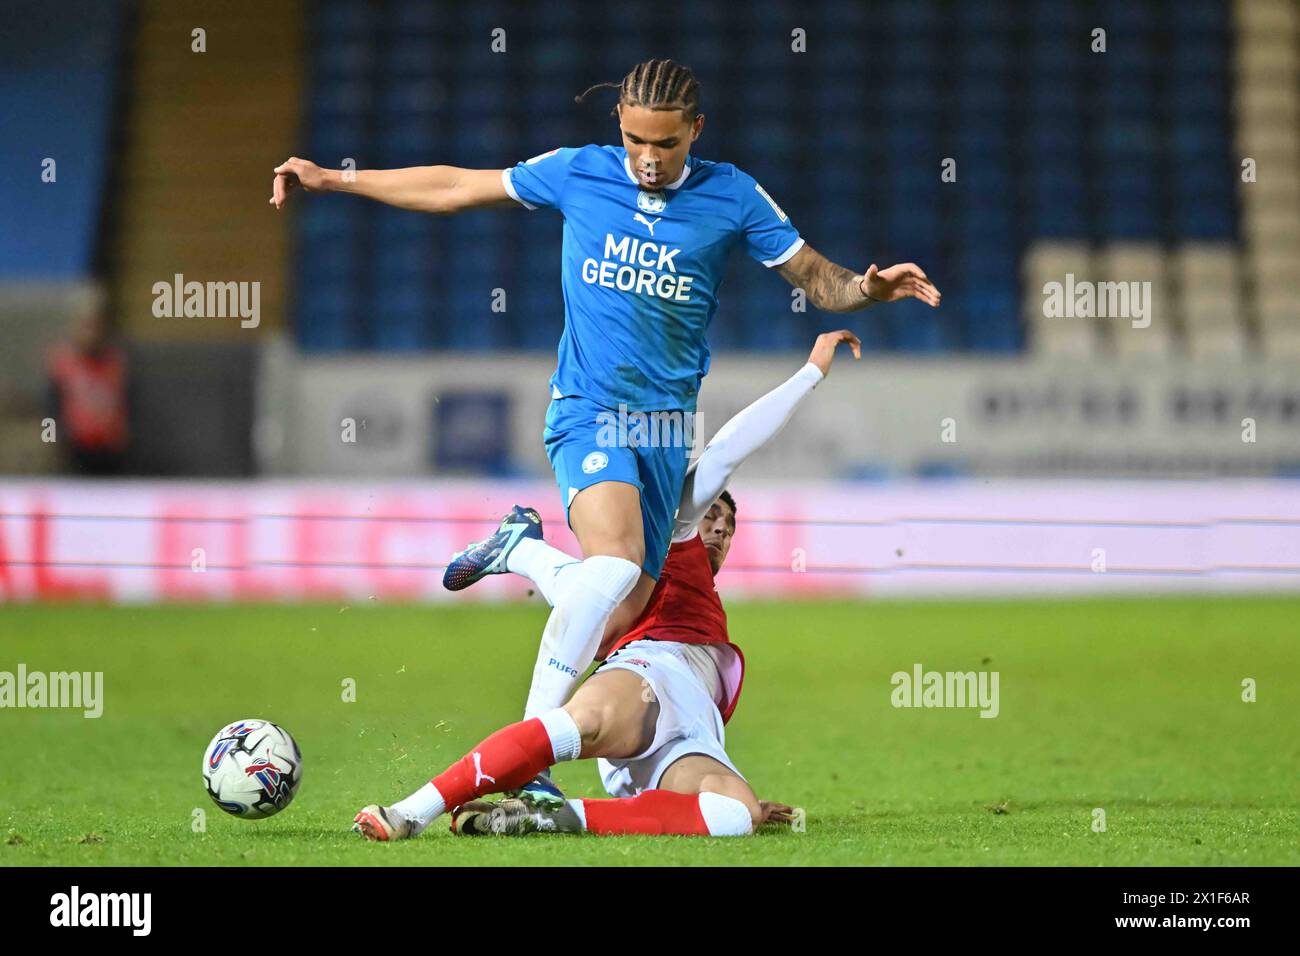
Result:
pixel 1133 707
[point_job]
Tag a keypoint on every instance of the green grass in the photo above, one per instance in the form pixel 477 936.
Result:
pixel 1133 706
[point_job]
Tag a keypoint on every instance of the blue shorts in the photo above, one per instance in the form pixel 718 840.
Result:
pixel 586 446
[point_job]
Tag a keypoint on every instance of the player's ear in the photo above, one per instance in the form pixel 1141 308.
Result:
pixel 697 126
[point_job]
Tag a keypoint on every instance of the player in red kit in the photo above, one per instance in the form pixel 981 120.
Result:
pixel 653 713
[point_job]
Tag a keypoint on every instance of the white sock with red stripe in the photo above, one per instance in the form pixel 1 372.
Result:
pixel 664 812
pixel 505 760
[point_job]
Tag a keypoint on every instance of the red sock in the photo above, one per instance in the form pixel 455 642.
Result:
pixel 504 761
pixel 654 811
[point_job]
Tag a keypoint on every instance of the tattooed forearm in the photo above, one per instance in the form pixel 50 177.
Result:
pixel 829 287
pixel 835 289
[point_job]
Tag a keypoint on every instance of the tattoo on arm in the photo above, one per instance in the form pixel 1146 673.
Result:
pixel 828 286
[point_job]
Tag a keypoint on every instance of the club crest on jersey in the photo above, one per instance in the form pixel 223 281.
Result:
pixel 650 201
pixel 594 462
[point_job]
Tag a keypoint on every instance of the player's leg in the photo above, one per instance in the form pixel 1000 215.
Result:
pixel 610 715
pixel 621 504
pixel 607 519
pixel 701 774
pixel 702 797
pixel 685 783
pixel 615 712
pixel 661 472
pixel 517 546
pixel 666 766
pixel 505 760
pixel 697 795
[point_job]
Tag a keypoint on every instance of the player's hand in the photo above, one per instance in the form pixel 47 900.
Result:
pixel 775 813
pixel 899 282
pixel 824 348
pixel 295 172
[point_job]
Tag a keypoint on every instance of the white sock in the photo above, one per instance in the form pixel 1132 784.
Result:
pixel 566 739
pixel 422 807
pixel 551 569
pixel 725 816
pixel 580 809
pixel 574 629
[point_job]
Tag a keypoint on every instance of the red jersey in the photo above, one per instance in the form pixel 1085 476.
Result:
pixel 684 607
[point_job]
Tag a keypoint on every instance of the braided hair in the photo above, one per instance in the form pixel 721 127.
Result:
pixel 656 85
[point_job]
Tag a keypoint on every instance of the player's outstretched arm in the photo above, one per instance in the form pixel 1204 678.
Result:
pixel 436 189
pixel 833 288
pixel 750 429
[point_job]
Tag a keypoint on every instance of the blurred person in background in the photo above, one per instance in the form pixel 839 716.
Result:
pixel 88 380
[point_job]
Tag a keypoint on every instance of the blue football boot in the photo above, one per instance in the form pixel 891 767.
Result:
pixel 489 555
pixel 540 792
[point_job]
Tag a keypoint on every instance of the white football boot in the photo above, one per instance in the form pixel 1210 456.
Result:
pixel 382 824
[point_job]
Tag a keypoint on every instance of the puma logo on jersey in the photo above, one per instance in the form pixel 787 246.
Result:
pixel 646 222
pixel 479 775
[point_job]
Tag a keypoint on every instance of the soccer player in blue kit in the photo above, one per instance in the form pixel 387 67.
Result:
pixel 647 232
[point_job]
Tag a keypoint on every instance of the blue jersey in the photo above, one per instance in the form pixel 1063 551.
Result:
pixel 641 268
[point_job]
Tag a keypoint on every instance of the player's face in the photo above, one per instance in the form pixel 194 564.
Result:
pixel 717 528
pixel 657 143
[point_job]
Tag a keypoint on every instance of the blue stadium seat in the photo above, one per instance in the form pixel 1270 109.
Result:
pixel 912 17
pixel 1056 99
pixel 982 98
pixel 915 327
pixel 986 17
pixel 1123 17
pixel 984 58
pixel 340 18
pixel 412 57
pixel 342 59
pixel 399 318
pixel 1199 99
pixel 331 142
pixel 1194 17
pixel 409 141
pixel 343 101
pixel 992 320
pixel 1129 217
pixel 327 318
pixel 1047 17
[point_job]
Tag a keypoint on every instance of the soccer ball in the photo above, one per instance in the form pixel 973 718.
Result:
pixel 252 769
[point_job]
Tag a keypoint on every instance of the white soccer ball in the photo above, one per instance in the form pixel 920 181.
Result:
pixel 252 769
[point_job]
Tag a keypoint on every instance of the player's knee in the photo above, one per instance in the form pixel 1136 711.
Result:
pixel 725 815
pixel 734 789
pixel 596 720
pixel 589 717
pixel 629 547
